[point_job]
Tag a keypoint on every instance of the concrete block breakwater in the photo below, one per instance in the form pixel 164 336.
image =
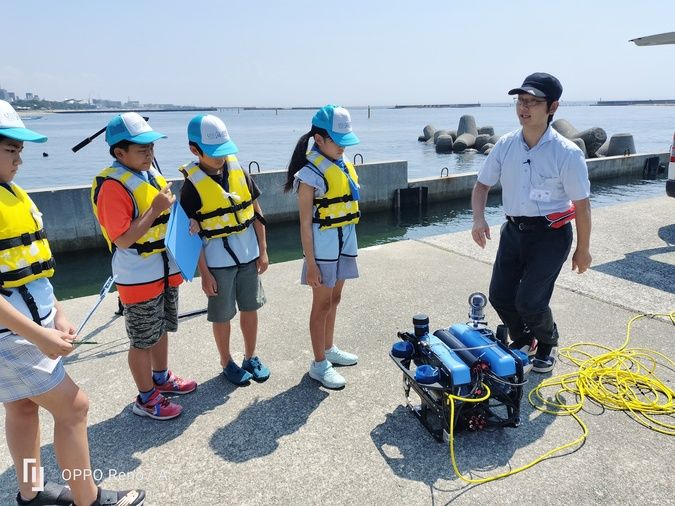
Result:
pixel 70 224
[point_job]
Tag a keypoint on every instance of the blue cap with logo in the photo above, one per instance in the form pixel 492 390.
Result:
pixel 338 123
pixel 12 127
pixel 210 134
pixel 130 126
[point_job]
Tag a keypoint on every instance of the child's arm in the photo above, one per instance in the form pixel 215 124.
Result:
pixel 209 284
pixel 51 342
pixel 306 207
pixel 61 322
pixel 163 201
pixel 263 261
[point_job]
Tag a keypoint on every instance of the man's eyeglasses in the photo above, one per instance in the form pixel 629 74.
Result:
pixel 528 102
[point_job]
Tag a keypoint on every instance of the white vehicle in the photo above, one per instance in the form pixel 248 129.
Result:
pixel 656 40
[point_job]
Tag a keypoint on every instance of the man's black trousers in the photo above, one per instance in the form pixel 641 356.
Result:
pixel 528 262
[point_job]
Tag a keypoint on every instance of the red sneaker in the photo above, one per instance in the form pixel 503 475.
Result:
pixel 176 385
pixel 157 407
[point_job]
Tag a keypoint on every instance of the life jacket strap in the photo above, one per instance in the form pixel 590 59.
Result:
pixel 328 221
pixel 22 240
pixel 32 269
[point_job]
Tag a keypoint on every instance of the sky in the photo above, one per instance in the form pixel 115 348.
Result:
pixel 304 53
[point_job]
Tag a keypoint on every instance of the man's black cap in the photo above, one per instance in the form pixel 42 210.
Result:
pixel 540 84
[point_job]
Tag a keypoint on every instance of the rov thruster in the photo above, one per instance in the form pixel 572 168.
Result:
pixel 465 361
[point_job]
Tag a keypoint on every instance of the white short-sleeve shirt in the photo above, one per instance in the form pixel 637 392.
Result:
pixel 540 180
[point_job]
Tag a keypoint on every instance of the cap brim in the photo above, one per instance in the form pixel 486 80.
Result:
pixel 344 140
pixel 146 137
pixel 529 90
pixel 219 150
pixel 23 134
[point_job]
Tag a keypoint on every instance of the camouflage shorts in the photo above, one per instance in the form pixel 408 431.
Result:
pixel 147 321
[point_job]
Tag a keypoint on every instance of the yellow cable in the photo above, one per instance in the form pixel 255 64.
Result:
pixel 621 379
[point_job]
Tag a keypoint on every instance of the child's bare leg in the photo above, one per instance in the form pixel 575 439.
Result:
pixel 221 333
pixel 248 320
pixel 321 303
pixel 336 295
pixel 160 354
pixel 22 428
pixel 69 406
pixel 140 364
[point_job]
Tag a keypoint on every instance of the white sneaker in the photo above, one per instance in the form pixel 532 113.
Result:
pixel 338 357
pixel 324 373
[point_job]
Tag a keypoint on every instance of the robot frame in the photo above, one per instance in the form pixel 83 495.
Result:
pixel 461 361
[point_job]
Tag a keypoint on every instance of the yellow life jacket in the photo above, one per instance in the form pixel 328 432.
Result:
pixel 337 207
pixel 142 194
pixel 24 250
pixel 223 212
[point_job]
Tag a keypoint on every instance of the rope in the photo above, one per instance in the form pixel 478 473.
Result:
pixel 621 379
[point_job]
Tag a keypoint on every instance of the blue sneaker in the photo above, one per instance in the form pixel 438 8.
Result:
pixel 259 371
pixel 236 374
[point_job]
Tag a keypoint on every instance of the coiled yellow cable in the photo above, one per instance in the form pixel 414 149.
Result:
pixel 622 379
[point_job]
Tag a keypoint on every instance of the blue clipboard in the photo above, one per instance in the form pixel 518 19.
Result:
pixel 183 247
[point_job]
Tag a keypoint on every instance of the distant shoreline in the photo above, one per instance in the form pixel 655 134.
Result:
pixel 635 102
pixel 94 111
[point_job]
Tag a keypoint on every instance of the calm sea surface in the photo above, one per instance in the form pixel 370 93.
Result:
pixel 269 138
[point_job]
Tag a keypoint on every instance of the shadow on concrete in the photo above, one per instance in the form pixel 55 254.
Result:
pixel 257 430
pixel 117 444
pixel 641 267
pixel 412 453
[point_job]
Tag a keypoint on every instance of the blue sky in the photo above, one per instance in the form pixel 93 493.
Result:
pixel 291 53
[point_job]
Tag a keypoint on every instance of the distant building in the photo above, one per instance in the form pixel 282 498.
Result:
pixel 99 102
pixel 3 94
pixel 132 104
pixel 29 96
pixel 11 96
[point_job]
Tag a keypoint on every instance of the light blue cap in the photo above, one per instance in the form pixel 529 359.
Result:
pixel 130 126
pixel 12 126
pixel 338 123
pixel 210 134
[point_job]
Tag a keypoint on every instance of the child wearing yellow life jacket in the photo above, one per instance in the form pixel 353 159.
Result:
pixel 34 335
pixel 221 201
pixel 131 201
pixel 328 195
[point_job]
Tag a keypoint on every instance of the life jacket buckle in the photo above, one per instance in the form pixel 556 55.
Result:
pixel 26 239
pixel 36 267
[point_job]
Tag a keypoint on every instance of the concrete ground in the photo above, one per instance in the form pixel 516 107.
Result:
pixel 289 441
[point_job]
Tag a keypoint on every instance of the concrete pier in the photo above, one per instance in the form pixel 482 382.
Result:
pixel 289 441
pixel 71 226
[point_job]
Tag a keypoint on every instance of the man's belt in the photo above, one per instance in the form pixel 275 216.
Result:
pixel 553 220
pixel 529 223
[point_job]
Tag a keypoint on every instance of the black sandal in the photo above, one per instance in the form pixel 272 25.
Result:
pixel 134 497
pixel 53 494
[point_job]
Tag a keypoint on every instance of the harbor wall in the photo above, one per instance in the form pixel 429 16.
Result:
pixel 71 226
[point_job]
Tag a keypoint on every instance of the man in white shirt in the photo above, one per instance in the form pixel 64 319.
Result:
pixel 545 185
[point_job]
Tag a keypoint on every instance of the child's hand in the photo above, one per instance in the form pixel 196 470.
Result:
pixel 263 262
pixel 194 226
pixel 163 200
pixel 63 324
pixel 55 343
pixel 313 275
pixel 209 284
